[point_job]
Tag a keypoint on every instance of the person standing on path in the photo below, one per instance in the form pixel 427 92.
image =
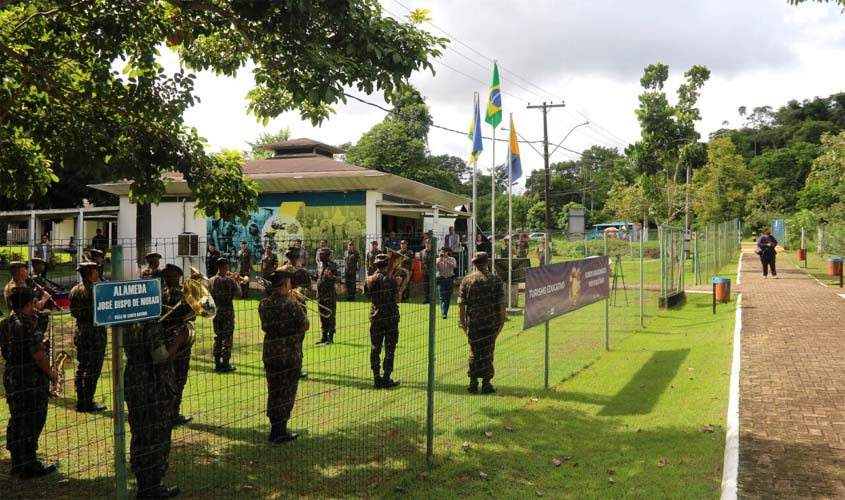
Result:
pixel 445 278
pixel 766 250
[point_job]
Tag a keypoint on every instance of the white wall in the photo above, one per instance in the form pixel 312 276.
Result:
pixel 373 213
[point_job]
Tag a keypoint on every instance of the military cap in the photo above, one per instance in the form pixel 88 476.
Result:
pixel 374 243
pixel 82 268
pixel 277 278
pixel 324 250
pixel 292 252
pixel 480 258
pixel 37 260
pixel 173 268
pixel 381 259
pixel 152 255
pixel 445 249
pixel 221 260
pixel 20 296
pixel 96 253
pixel 15 265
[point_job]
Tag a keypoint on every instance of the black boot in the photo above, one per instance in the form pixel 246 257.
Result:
pixel 217 364
pixel 330 340
pixel 473 386
pixel 180 419
pixel 377 382
pixel 387 382
pixel 32 467
pixel 324 339
pixel 158 491
pixel 275 432
pixel 303 375
pixel 282 434
pixel 487 387
pixel 226 367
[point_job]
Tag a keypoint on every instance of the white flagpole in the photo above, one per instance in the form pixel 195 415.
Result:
pixel 471 243
pixel 493 202
pixel 510 212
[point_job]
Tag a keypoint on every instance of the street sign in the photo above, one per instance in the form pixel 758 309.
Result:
pixel 117 302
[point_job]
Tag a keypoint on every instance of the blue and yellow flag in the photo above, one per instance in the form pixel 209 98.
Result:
pixel 513 162
pixel 475 134
pixel 494 100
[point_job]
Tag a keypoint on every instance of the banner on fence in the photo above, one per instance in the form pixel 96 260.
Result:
pixel 118 302
pixel 556 289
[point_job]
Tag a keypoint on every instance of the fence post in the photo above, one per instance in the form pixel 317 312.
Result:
pixel 432 329
pixel 117 388
pixel 642 288
pixel 606 311
pixel 695 259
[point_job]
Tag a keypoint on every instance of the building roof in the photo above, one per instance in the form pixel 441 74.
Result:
pixel 293 171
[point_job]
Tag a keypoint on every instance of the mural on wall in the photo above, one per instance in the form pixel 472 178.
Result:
pixel 283 218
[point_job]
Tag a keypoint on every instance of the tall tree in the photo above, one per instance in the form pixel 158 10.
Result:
pixel 62 101
pixel 720 187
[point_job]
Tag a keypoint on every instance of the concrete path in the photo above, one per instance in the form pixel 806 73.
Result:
pixel 792 386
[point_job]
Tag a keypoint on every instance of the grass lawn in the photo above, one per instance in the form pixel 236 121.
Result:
pixel 816 267
pixel 639 402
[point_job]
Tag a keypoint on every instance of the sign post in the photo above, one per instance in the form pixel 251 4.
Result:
pixel 117 303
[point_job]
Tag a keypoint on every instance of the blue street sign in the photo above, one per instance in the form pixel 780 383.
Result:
pixel 118 302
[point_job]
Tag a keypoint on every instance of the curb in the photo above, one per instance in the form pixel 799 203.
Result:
pixel 731 461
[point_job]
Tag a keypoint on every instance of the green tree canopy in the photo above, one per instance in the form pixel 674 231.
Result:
pixel 63 105
pixel 719 188
pixel 256 149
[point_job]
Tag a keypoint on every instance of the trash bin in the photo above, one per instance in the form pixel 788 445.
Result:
pixel 802 254
pixel 834 266
pixel 722 290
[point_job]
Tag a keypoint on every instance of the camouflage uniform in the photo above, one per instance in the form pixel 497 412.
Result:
pixel 351 263
pixel 268 264
pixel 11 285
pixel 283 321
pixel 172 297
pixel 244 266
pixel 522 249
pixel 426 264
pixel 301 278
pixel 371 257
pixel 44 284
pixel 384 321
pixel 223 290
pixel 26 385
pixel 327 296
pixel 408 265
pixel 90 342
pixel 482 294
pixel 149 389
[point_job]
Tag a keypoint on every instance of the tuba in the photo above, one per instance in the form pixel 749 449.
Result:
pixel 394 268
pixel 197 297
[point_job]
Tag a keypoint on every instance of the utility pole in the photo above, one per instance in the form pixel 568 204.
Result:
pixel 545 107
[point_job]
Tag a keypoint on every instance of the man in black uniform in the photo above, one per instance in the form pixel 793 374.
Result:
pixel 351 263
pixel 149 388
pixel 284 323
pixel 224 289
pixel 151 270
pixel 99 258
pixel 371 257
pixel 90 340
pixel 172 295
pixel 26 379
pixel 211 257
pixel 327 294
pixel 384 322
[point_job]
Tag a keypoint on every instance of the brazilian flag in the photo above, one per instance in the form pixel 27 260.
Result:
pixel 494 100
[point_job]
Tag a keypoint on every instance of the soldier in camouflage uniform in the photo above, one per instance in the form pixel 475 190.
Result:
pixel 245 262
pixel 98 258
pixel 351 264
pixel 481 303
pixel 284 323
pixel 19 277
pixel 327 294
pixel 300 277
pixel 427 256
pixel 224 289
pixel 269 263
pixel 384 322
pixel 172 295
pixel 408 265
pixel 90 340
pixel 151 270
pixel 37 277
pixel 26 379
pixel 371 257
pixel 150 388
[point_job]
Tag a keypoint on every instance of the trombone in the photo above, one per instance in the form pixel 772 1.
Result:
pixel 299 295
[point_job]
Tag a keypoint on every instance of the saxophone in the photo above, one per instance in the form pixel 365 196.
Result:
pixel 57 362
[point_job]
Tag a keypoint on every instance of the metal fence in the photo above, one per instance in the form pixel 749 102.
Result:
pixel 714 247
pixel 355 440
pixel 672 258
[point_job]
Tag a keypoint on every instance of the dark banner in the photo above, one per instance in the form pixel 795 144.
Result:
pixel 556 289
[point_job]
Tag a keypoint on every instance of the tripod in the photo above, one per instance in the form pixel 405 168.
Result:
pixel 617 274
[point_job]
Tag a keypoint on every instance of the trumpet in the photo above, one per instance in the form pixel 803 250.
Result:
pixel 299 295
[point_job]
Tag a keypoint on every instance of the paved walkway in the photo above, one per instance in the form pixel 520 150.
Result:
pixel 792 386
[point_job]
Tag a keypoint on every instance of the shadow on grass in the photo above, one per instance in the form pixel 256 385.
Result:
pixel 641 393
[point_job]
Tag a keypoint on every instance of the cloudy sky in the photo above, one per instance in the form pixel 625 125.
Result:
pixel 589 54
